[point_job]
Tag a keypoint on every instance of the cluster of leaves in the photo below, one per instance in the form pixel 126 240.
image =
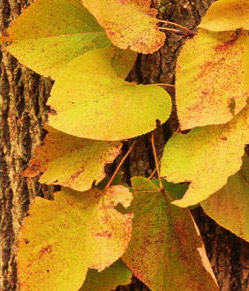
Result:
pixel 212 93
pixel 95 237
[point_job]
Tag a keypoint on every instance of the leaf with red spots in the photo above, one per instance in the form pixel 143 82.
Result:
pixel 128 23
pixel 224 15
pixel 229 206
pixel 212 78
pixel 165 251
pixel 51 33
pixel 61 239
pixel 71 161
pixel 205 157
pixel 115 275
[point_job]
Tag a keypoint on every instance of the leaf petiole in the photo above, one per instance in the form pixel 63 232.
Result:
pixel 120 164
pixel 165 193
pixel 177 25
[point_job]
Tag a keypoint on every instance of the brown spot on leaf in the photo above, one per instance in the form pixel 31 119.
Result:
pixel 232 105
pixel 45 250
pixel 105 233
pixel 52 111
pixel 76 174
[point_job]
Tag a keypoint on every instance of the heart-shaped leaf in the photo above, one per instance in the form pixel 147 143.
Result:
pixel 227 15
pixel 61 239
pixel 206 157
pixel 165 251
pixel 128 24
pixel 92 101
pixel 71 161
pixel 212 78
pixel 230 205
pixel 51 33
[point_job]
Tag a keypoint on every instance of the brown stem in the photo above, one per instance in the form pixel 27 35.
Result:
pixel 177 25
pixel 170 29
pixel 165 193
pixel 120 164
pixel 156 159
pixel 152 174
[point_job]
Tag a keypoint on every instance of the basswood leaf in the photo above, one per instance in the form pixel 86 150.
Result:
pixel 117 274
pixel 91 101
pixel 71 161
pixel 212 78
pixel 227 15
pixel 165 251
pixel 50 33
pixel 128 24
pixel 205 157
pixel 61 239
pixel 230 205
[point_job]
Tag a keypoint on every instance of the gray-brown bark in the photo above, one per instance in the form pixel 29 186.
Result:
pixel 23 109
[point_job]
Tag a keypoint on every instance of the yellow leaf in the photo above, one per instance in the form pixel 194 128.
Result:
pixel 128 24
pixel 229 206
pixel 71 161
pixel 212 78
pixel 165 251
pixel 206 157
pixel 227 15
pixel 91 101
pixel 61 239
pixel 109 279
pixel 51 33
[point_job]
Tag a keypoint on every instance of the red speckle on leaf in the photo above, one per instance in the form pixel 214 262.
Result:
pixel 226 45
pixel 105 233
pixel 45 250
pixel 76 174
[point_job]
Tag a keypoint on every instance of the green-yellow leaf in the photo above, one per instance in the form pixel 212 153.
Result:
pixel 212 78
pixel 230 206
pixel 128 24
pixel 51 33
pixel 91 101
pixel 117 274
pixel 227 15
pixel 61 239
pixel 206 157
pixel 165 251
pixel 71 161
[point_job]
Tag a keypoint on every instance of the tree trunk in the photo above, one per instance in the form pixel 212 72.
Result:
pixel 23 109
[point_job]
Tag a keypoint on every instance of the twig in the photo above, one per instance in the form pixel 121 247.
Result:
pixel 152 174
pixel 165 193
pixel 177 25
pixel 120 164
pixel 171 29
pixel 156 159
